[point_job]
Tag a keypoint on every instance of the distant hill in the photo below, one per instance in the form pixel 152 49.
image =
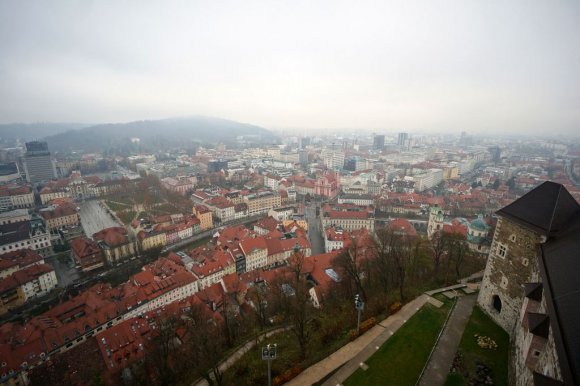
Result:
pixel 164 133
pixel 31 131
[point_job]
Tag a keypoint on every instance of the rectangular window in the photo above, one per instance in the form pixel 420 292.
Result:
pixel 502 250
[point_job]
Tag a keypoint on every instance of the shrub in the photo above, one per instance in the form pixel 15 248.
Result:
pixel 364 327
pixel 287 376
pixel 395 307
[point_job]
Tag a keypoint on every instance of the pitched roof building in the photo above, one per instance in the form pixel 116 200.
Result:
pixel 531 285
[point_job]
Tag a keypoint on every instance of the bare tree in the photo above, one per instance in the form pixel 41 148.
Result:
pixel 457 252
pixel 162 355
pixel 294 302
pixel 383 244
pixel 394 256
pixel 437 244
pixel 349 263
pixel 206 345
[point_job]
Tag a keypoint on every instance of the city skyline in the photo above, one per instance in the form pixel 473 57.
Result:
pixel 480 68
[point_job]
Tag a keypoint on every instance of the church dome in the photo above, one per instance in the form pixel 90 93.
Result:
pixel 479 224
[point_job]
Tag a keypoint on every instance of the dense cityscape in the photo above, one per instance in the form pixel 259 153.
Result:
pixel 298 193
pixel 110 262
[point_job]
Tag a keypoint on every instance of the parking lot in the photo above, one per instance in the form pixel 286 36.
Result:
pixel 94 217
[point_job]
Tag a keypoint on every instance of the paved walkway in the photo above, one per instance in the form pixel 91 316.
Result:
pixel 359 350
pixel 445 289
pixel 442 358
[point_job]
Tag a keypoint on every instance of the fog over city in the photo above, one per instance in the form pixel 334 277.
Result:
pixel 448 66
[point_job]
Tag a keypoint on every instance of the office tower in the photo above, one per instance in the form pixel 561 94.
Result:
pixel 403 138
pixel 38 165
pixel 379 142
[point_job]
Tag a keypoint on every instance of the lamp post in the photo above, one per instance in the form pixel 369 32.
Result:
pixel 359 305
pixel 269 354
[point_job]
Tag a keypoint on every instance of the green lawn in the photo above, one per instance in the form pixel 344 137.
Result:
pixel 117 206
pixel 126 216
pixel 400 360
pixel 471 354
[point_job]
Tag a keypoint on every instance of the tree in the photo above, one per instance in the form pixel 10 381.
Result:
pixel 457 250
pixel 291 291
pixel 383 243
pixel 402 253
pixel 206 345
pixel 349 264
pixel 496 184
pixel 258 298
pixel 394 256
pixel 162 356
pixel 437 244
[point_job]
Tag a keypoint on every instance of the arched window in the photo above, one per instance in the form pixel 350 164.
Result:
pixel 496 302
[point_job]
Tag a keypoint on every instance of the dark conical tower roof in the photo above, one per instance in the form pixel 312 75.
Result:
pixel 546 209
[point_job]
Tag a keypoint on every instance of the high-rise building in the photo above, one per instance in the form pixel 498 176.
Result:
pixel 379 142
pixel 303 157
pixel 495 152
pixel 38 165
pixel 403 138
pixel 333 159
pixel 215 165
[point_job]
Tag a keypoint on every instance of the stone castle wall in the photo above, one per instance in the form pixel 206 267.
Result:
pixel 506 272
pixel 532 353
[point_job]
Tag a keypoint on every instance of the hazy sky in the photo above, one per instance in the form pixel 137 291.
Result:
pixel 485 65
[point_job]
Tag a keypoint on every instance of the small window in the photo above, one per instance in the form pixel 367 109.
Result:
pixel 496 302
pixel 513 238
pixel 502 250
pixel 525 262
pixel 504 282
pixel 536 354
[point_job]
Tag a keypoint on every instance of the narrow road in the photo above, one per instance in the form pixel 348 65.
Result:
pixel 314 230
pixel 442 358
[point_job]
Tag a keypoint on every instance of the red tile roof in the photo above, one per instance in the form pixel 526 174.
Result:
pixel 268 223
pixel 251 244
pixel 21 258
pixel 83 246
pixel 112 236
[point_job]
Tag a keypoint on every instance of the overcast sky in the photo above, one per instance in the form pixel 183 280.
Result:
pixel 493 66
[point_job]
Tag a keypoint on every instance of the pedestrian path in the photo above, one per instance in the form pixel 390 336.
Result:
pixel 351 355
pixel 440 363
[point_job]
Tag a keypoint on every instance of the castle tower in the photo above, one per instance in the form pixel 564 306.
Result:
pixel 436 219
pixel 531 284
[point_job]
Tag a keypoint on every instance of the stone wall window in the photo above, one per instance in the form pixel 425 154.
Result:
pixel 502 250
pixel 513 238
pixel 496 303
pixel 504 282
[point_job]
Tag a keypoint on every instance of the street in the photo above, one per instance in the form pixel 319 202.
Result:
pixel 314 231
pixel 66 273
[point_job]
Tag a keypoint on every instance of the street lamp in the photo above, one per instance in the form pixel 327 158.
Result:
pixel 269 354
pixel 360 306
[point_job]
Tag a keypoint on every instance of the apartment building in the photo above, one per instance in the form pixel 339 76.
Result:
pixel 262 202
pixel 348 216
pixel 16 197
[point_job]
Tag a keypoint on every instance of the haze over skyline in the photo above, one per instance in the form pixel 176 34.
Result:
pixel 445 66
